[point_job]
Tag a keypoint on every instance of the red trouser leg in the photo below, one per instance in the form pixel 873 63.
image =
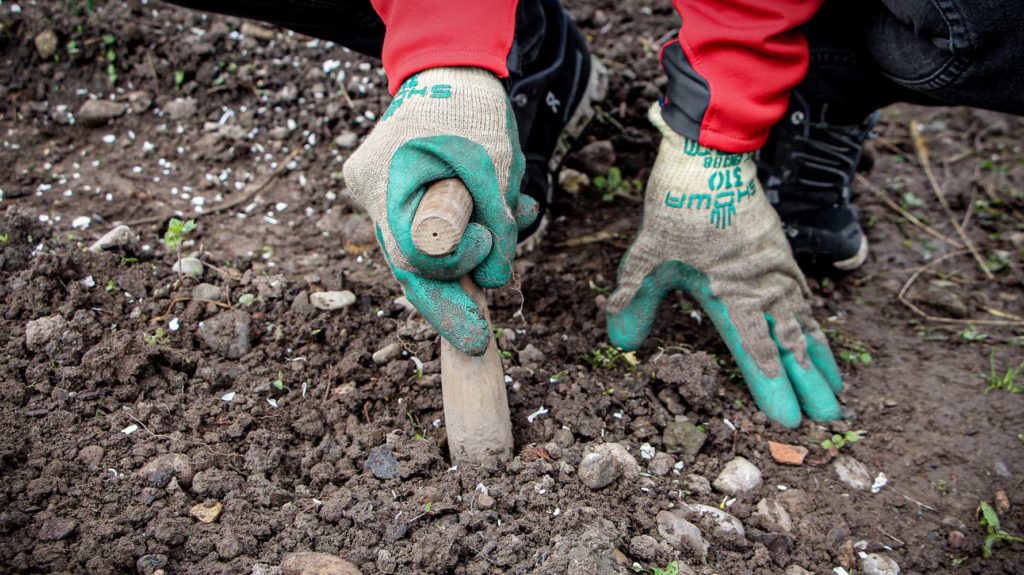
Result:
pixel 424 34
pixel 732 67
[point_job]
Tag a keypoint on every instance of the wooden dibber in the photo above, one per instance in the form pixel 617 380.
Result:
pixel 473 388
pixel 441 217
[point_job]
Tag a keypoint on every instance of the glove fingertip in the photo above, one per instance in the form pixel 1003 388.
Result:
pixel 822 357
pixel 526 212
pixel 625 331
pixel 473 341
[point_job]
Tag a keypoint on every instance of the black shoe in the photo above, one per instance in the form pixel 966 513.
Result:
pixel 552 105
pixel 807 169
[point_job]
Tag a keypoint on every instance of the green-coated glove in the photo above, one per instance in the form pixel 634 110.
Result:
pixel 709 231
pixel 445 123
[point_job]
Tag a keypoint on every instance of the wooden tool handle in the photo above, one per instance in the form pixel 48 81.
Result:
pixel 441 218
pixel 476 412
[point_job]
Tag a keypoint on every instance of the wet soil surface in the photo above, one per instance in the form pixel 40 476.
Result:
pixel 219 424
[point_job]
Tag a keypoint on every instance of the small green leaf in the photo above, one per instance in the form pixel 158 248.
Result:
pixel 108 39
pixel 989 517
pixel 246 299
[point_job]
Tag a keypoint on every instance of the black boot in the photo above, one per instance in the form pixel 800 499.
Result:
pixel 552 101
pixel 807 169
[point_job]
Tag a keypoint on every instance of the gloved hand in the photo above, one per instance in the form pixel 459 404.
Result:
pixel 444 123
pixel 709 231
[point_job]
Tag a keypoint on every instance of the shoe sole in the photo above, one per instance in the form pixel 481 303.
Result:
pixel 858 259
pixel 596 91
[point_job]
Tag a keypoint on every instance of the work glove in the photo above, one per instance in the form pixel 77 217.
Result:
pixel 709 231
pixel 446 123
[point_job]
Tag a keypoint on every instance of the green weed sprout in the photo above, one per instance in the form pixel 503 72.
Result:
pixel 995 534
pixel 175 235
pixel 838 441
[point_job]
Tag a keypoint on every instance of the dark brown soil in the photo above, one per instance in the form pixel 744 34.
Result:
pixel 114 418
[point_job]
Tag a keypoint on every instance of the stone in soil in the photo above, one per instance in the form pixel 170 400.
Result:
pixel 309 563
pixel 683 437
pixel 875 564
pixel 256 31
pixel 1001 502
pixel 332 300
pixel 119 237
pixel 208 292
pixel 661 464
pixel 382 463
pixel 228 333
pixel 797 570
pixel 698 484
pixel 680 533
pixel 852 472
pixel 773 516
pixel 46 43
pixel 563 438
pixel 596 158
pixel 159 470
pixel 180 108
pixel 207 513
pixel 530 355
pixel 99 112
pixel 484 501
pixel 725 524
pixel 387 354
pixel 188 266
pixel 140 101
pixel 598 470
pixel 573 181
pixel 737 477
pixel 956 539
pixel 630 468
pixel 346 140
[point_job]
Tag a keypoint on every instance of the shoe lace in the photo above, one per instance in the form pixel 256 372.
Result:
pixel 828 156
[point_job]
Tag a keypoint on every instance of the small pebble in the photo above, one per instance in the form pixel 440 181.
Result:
pixel 207 513
pixel 598 470
pixel 120 236
pixel 737 477
pixel 680 533
pixel 332 300
pixel 191 267
pixel 387 354
pixel 852 472
pixel 875 564
pixel 661 464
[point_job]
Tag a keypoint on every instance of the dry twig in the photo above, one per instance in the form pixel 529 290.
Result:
pixel 902 296
pixel 922 157
pixel 907 215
